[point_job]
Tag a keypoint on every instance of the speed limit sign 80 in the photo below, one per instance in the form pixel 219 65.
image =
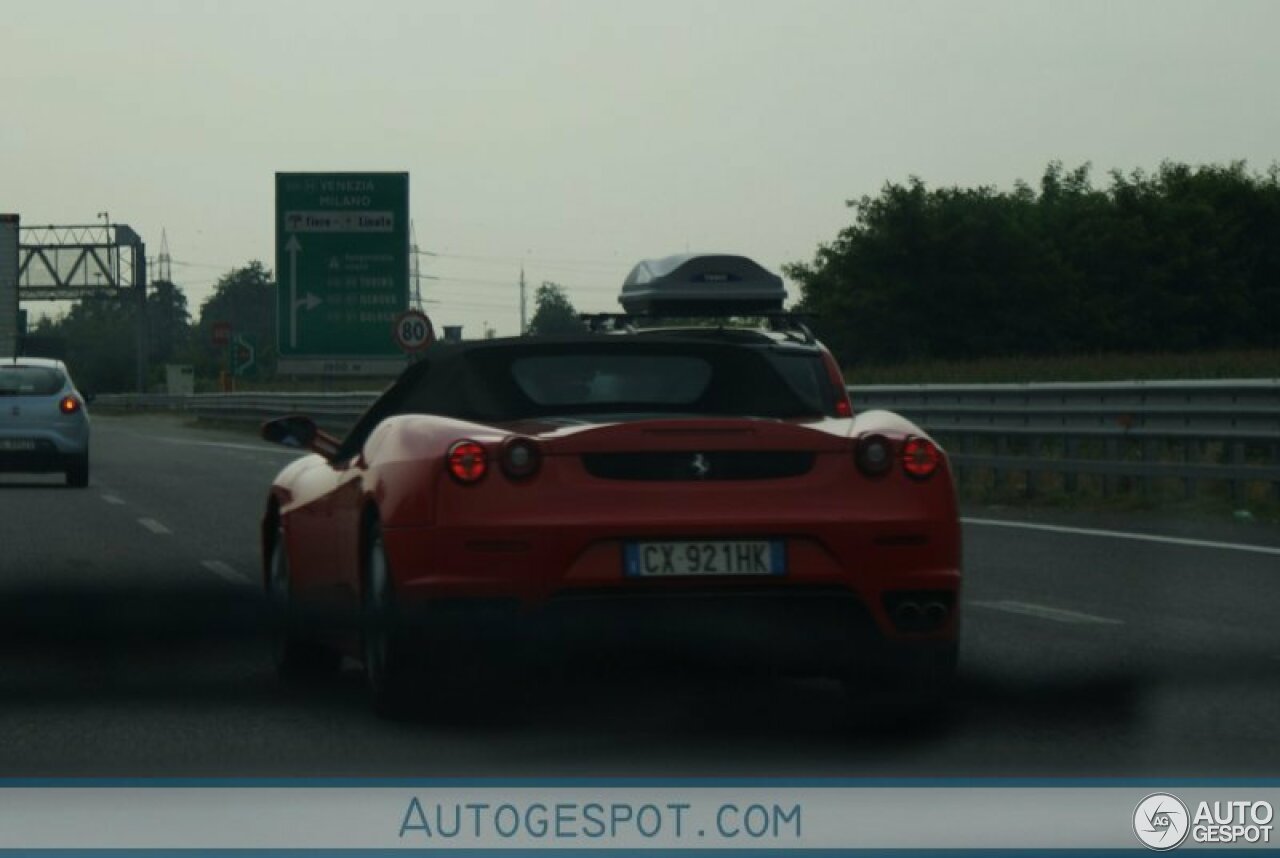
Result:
pixel 413 331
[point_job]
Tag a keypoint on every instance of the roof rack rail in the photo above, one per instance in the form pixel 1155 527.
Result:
pixel 776 321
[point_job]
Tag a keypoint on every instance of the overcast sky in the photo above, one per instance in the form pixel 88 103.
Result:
pixel 580 137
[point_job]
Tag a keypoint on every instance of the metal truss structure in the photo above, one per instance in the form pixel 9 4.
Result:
pixel 61 263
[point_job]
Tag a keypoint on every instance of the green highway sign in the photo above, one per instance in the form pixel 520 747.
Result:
pixel 342 269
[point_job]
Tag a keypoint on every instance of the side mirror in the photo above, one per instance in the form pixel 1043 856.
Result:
pixel 292 431
pixel 297 430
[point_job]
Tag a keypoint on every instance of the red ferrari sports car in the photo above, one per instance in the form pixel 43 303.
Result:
pixel 703 490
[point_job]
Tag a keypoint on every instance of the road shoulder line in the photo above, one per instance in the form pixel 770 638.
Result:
pixel 1044 612
pixel 1122 534
pixel 154 526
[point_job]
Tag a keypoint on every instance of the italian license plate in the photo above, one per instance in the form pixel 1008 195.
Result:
pixel 704 557
pixel 17 444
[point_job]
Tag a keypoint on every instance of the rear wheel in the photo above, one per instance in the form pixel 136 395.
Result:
pixel 294 655
pixel 77 471
pixel 386 662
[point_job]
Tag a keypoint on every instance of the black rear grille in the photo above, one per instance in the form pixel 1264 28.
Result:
pixel 699 466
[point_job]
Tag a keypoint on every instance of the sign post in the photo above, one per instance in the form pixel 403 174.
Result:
pixel 342 269
pixel 9 333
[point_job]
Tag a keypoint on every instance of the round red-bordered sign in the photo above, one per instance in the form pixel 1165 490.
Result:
pixel 413 331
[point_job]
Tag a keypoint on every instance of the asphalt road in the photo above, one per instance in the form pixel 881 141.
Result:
pixel 131 645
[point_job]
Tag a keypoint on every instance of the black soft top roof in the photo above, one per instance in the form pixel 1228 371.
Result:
pixel 464 380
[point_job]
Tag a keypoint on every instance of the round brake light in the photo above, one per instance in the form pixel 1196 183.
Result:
pixel 920 457
pixel 520 458
pixel 467 462
pixel 874 455
pixel 69 405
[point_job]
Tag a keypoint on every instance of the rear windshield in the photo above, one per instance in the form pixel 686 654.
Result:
pixel 620 377
pixel 30 381
pixel 578 380
pixel 806 374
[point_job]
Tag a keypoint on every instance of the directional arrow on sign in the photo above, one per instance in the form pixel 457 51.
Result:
pixel 293 248
pixel 244 355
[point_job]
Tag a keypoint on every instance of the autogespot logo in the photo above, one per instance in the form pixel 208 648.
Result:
pixel 1160 820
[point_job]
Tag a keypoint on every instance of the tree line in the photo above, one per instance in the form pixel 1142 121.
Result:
pixel 97 336
pixel 1182 259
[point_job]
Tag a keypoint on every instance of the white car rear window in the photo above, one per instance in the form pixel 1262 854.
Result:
pixel 30 381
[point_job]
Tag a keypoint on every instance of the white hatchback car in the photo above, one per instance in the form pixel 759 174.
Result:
pixel 44 425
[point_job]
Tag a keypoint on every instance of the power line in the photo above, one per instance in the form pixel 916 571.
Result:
pixel 186 264
pixel 506 284
pixel 532 260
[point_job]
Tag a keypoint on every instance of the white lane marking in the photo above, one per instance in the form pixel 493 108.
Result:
pixel 1121 534
pixel 257 448
pixel 113 500
pixel 226 572
pixel 154 526
pixel 1044 612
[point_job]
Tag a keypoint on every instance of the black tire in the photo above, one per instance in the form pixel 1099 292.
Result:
pixel 77 472
pixel 295 656
pixel 387 668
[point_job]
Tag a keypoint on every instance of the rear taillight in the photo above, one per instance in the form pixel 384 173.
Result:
pixel 520 458
pixel 874 455
pixel 467 462
pixel 920 457
pixel 69 405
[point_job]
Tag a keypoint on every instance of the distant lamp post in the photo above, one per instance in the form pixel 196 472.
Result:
pixel 111 252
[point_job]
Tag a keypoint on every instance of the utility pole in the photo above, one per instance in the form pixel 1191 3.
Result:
pixel 164 262
pixel 416 301
pixel 524 325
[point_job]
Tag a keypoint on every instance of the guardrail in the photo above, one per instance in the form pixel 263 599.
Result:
pixel 334 412
pixel 1117 436
pixel 1122 435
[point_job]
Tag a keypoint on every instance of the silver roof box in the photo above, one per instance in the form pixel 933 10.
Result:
pixel 701 285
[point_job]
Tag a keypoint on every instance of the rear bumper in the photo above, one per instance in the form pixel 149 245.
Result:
pixel 816 632
pixel 839 597
pixel 54 445
pixel 45 458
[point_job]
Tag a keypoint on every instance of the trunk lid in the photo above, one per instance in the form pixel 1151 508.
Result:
pixel 29 412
